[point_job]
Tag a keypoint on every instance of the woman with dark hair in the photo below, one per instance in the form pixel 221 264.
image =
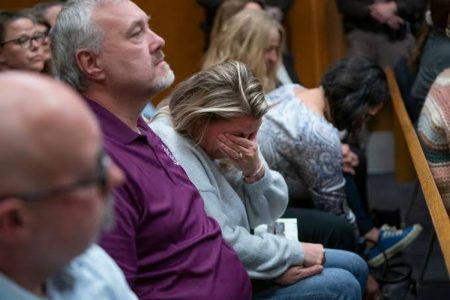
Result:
pixel 299 138
pixel 42 27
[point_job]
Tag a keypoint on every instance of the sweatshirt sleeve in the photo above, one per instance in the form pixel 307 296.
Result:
pixel 265 200
pixel 265 256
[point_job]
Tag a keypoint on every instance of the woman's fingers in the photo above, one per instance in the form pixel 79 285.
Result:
pixel 228 151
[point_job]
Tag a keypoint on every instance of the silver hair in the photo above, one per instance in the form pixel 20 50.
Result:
pixel 75 30
pixel 223 92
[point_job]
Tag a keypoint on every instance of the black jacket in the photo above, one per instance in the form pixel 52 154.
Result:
pixel 356 15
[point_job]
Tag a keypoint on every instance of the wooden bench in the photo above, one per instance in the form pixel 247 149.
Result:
pixel 439 216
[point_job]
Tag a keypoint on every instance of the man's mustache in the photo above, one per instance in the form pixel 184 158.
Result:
pixel 159 55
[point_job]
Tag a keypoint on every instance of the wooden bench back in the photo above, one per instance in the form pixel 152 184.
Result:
pixel 439 216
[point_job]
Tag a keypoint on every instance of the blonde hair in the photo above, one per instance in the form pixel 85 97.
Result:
pixel 245 37
pixel 223 92
pixel 227 10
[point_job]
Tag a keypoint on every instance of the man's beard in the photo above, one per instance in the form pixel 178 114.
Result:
pixel 164 81
pixel 108 218
pixel 160 83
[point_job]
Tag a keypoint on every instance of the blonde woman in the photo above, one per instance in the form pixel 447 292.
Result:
pixel 254 38
pixel 212 120
pixel 299 136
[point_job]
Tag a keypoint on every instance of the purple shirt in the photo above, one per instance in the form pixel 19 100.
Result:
pixel 163 240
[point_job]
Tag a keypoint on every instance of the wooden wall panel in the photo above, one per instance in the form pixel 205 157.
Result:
pixel 317 38
pixel 17 4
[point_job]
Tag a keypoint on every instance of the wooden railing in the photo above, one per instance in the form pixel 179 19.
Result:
pixel 439 216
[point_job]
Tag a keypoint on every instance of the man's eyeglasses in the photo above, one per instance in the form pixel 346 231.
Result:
pixel 100 178
pixel 25 41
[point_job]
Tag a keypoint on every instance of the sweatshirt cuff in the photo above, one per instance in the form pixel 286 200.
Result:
pixel 298 255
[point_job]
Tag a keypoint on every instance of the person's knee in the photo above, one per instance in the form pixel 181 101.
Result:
pixel 357 264
pixel 341 284
pixel 350 262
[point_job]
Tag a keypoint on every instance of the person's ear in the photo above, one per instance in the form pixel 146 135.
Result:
pixel 88 63
pixel 14 220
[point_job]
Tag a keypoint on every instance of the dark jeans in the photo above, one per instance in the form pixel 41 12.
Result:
pixel 363 220
pixel 315 226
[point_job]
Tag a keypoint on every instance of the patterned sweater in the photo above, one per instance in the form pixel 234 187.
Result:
pixel 306 149
pixel 434 133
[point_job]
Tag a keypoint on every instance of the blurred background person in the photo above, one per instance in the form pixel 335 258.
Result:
pixel 431 56
pixel 434 133
pixel 48 10
pixel 20 42
pixel 381 30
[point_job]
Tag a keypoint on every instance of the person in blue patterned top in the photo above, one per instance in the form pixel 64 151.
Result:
pixel 299 137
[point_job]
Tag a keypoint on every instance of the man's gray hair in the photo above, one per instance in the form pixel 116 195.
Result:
pixel 75 30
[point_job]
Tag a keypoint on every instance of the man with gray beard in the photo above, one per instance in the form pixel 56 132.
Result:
pixel 163 240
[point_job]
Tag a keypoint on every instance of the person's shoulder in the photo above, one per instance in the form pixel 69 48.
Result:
pixel 443 78
pixel 161 122
pixel 95 274
pixel 163 127
pixel 97 263
pixel 282 93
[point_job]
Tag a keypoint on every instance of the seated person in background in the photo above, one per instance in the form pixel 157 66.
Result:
pixel 214 19
pixel 381 30
pixel 42 27
pixel 435 55
pixel 46 14
pixel 54 195
pixel 284 73
pixel 48 10
pixel 20 45
pixel 215 115
pixel 254 38
pixel 163 240
pixel 228 9
pixel 299 138
pixel 434 133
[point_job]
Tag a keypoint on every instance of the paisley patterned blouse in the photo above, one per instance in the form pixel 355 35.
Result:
pixel 306 149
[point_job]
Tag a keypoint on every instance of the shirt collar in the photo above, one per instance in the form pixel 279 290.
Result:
pixel 11 290
pixel 113 127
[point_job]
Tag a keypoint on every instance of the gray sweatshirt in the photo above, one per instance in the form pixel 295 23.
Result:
pixel 237 206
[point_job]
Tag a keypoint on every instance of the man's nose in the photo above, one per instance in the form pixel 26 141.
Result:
pixel 156 42
pixel 35 44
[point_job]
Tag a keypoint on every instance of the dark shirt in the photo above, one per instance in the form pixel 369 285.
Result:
pixel 163 240
pixel 435 59
pixel 356 15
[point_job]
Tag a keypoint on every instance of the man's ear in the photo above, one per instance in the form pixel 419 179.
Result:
pixel 14 219
pixel 88 64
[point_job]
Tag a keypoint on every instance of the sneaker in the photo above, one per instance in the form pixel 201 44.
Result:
pixel 391 242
